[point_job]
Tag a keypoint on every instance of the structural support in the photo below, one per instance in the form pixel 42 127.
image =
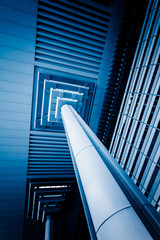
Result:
pixel 112 215
pixel 49 228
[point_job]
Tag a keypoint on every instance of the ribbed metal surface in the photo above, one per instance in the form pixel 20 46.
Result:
pixel 49 154
pixel 17 43
pixel 71 36
pixel 122 59
pixel 33 229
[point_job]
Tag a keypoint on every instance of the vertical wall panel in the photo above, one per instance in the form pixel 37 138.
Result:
pixel 17 46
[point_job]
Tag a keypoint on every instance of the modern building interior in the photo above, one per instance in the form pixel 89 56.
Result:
pixel 102 60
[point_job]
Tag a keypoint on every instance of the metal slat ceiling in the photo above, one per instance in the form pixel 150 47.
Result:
pixel 71 37
pixel 49 155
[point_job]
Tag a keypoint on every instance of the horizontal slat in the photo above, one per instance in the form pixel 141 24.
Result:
pixel 66 29
pixel 13 149
pixel 52 173
pixel 50 168
pixel 10 124
pixel 16 66
pixel 70 32
pixel 14 15
pixel 96 17
pixel 49 159
pixel 15 107
pixel 47 146
pixel 74 18
pixel 15 77
pixel 15 42
pixel 13 141
pixel 67 57
pixel 87 51
pixel 48 149
pixel 68 52
pixel 48 163
pixel 12 87
pixel 14 97
pixel 14 54
pixel 57 134
pixel 70 71
pixel 10 133
pixel 89 8
pixel 23 6
pixel 77 24
pixel 17 30
pixel 45 137
pixel 70 38
pixel 49 154
pixel 65 63
pixel 22 117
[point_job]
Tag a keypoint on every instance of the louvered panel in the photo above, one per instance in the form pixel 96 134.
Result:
pixel 43 14
pixel 49 154
pixel 71 37
pixel 47 43
pixel 80 44
pixel 49 148
pixel 77 9
pixel 44 38
pixel 63 56
pixel 68 29
pixel 33 229
pixel 55 61
pixel 47 9
pixel 65 52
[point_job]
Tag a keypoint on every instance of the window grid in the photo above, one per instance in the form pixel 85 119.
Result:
pixel 141 186
pixel 134 148
pixel 136 139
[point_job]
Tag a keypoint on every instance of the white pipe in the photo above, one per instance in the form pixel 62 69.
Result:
pixel 49 228
pixel 112 214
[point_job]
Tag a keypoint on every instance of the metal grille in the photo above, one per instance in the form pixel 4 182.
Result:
pixel 33 229
pixel 71 37
pixel 49 155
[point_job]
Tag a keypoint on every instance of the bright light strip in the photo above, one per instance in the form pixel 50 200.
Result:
pixel 59 186
pixel 58 195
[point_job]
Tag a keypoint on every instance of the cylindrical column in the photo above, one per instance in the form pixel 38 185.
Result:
pixel 112 214
pixel 49 228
